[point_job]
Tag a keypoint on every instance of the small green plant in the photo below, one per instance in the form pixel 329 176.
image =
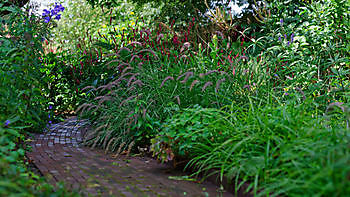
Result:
pixel 269 147
pixel 181 133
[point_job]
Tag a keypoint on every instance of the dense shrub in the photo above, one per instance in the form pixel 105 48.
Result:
pixel 16 179
pixel 20 49
pixel 276 149
pixel 259 108
pixel 23 105
pixel 262 103
pixel 82 26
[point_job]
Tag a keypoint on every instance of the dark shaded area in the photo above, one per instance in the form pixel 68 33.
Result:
pixel 59 156
pixel 18 3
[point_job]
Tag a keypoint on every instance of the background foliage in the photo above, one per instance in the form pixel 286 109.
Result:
pixel 279 82
pixel 260 99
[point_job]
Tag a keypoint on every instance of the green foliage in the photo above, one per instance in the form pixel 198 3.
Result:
pixel 287 149
pixel 181 133
pixel 264 104
pixel 269 109
pixel 73 56
pixel 129 104
pixel 78 19
pixel 179 10
pixel 60 82
pixel 22 101
pixel 19 50
pixel 80 24
pixel 310 46
pixel 16 179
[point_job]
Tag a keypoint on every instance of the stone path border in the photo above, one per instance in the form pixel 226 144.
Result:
pixel 58 155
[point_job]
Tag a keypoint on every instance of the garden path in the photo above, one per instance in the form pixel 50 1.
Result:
pixel 58 155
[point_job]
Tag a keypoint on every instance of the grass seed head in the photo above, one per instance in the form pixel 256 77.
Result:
pixel 218 84
pixel 209 83
pixel 166 79
pixel 193 83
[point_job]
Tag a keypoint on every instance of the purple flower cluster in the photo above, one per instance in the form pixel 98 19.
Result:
pixel 285 37
pixel 7 122
pixel 50 108
pixel 53 13
pixel 291 39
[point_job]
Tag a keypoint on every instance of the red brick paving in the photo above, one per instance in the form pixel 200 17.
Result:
pixel 58 155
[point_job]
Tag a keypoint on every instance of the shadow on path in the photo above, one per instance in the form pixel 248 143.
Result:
pixel 59 157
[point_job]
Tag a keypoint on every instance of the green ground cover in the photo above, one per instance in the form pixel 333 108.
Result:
pixel 263 102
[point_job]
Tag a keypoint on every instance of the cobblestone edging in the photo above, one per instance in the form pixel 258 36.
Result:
pixel 58 155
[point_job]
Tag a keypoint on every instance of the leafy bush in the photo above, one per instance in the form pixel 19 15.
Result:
pixel 309 48
pixel 181 132
pixel 262 103
pixel 19 49
pixel 81 25
pixel 16 179
pixel 148 78
pixel 23 104
pixel 278 150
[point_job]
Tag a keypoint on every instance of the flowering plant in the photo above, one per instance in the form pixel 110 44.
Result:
pixel 53 13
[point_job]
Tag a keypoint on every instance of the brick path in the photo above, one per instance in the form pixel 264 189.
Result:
pixel 59 157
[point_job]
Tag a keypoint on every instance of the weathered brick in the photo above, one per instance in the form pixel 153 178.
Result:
pixel 58 156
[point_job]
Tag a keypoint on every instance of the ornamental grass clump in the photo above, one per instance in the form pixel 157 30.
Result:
pixel 261 149
pixel 230 107
pixel 126 90
pixel 151 73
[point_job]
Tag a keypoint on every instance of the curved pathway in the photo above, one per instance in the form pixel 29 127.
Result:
pixel 59 157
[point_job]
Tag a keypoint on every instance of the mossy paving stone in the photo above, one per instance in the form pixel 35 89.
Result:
pixel 58 156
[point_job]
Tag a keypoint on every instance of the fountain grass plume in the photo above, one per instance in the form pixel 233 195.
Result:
pixel 218 84
pixel 133 58
pixel 209 83
pixel 193 84
pixel 166 79
pixel 137 82
pixel 97 138
pixel 98 97
pixel 104 87
pixel 178 99
pixel 119 150
pixel 105 98
pixel 207 73
pixel 150 51
pixel 134 43
pixel 110 142
pixel 82 107
pixel 122 77
pixel 188 75
pixel 112 61
pixel 127 99
pixel 131 79
pixel 105 139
